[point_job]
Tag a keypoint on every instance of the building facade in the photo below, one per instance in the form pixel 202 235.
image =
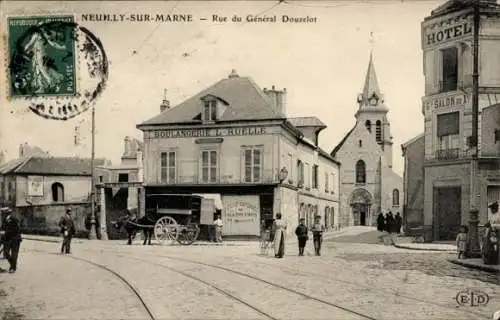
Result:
pixel 454 184
pixel 40 189
pixel 233 139
pixel 368 183
pixel 413 184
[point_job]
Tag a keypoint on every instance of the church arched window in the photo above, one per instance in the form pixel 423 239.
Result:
pixel 395 197
pixel 378 132
pixel 368 125
pixel 360 172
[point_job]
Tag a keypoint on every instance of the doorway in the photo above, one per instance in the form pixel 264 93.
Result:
pixel 362 218
pixel 448 212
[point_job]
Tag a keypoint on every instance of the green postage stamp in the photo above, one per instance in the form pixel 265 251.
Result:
pixel 42 60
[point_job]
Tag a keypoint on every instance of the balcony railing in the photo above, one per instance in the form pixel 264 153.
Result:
pixel 449 84
pixel 448 154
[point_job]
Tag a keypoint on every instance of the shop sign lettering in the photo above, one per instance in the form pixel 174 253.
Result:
pixel 448 101
pixel 207 132
pixel 448 32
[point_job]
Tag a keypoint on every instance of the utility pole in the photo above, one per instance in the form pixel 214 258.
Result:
pixel 474 248
pixel 93 230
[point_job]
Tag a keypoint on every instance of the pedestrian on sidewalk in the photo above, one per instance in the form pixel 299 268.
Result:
pixel 67 230
pixel 11 239
pixel 461 242
pixel 218 229
pixel 381 226
pixel 317 229
pixel 279 228
pixel 302 235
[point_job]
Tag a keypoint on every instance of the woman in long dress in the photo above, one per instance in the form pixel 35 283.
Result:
pixel 279 227
pixel 490 255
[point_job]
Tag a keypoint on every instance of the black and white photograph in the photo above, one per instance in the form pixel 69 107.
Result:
pixel 273 159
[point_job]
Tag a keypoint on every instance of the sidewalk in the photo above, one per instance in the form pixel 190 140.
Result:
pixel 476 264
pixel 426 246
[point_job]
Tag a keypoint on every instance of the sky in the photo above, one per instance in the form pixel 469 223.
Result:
pixel 322 65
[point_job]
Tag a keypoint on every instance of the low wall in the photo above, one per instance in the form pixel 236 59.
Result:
pixel 44 219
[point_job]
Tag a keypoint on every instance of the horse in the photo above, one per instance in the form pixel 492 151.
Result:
pixel 131 225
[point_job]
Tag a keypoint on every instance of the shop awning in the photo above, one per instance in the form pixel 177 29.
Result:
pixel 215 196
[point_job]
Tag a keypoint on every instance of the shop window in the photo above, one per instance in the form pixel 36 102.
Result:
pixel 395 197
pixel 57 192
pixel 253 164
pixel 378 131
pixel 360 172
pixel 449 71
pixel 168 167
pixel 209 166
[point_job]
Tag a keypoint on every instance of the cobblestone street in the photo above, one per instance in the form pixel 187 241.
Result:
pixel 349 281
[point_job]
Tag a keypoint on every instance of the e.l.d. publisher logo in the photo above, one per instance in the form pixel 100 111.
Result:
pixel 472 298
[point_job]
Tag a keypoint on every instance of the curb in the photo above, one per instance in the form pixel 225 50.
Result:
pixel 422 249
pixel 474 266
pixel 50 240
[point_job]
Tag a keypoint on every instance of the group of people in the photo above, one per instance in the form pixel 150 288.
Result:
pixel 389 225
pixel 278 231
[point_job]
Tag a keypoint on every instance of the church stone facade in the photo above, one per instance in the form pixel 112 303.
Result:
pixel 368 183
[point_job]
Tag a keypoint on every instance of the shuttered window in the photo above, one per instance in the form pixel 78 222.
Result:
pixel 448 124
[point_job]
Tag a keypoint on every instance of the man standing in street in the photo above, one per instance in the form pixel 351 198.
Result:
pixel 302 235
pixel 68 230
pixel 317 231
pixel 11 240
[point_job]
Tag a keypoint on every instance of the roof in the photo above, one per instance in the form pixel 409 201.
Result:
pixel 341 143
pixel 246 102
pixel 457 5
pixel 11 165
pixel 412 140
pixel 53 166
pixel 306 122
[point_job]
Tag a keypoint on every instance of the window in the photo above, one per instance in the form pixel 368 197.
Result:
pixel 334 183
pixel 326 182
pixel 332 217
pixel 315 176
pixel 395 197
pixel 168 166
pixel 302 211
pixel 122 177
pixel 209 166
pixel 290 165
pixel 307 176
pixel 360 143
pixel 300 172
pixel 210 110
pixel 448 129
pixel 378 131
pixel 449 70
pixel 497 135
pixel 253 164
pixel 360 172
pixel 57 192
pixel 368 125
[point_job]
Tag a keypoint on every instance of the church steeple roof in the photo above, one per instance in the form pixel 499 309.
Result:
pixel 371 98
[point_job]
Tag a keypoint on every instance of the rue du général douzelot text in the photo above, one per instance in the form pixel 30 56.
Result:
pixel 186 18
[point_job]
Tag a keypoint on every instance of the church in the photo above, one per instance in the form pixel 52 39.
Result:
pixel 368 184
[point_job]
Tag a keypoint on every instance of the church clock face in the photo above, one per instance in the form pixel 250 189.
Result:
pixel 373 101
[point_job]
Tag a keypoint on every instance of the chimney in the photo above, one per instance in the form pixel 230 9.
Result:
pixel 165 103
pixel 278 98
pixel 126 143
pixel 233 74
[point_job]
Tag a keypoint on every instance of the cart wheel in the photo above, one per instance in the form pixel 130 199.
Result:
pixel 166 230
pixel 188 234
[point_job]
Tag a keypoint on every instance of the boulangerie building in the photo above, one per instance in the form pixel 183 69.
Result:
pixel 234 143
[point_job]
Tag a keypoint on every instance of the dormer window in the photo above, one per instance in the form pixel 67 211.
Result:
pixel 209 110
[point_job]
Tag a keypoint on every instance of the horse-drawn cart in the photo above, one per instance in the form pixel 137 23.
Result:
pixel 167 229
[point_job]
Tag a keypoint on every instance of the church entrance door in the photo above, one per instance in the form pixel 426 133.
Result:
pixel 361 202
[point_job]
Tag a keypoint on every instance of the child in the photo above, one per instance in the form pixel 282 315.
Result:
pixel 218 229
pixel 461 242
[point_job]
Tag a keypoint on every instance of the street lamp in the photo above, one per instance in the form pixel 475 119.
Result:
pixel 93 226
